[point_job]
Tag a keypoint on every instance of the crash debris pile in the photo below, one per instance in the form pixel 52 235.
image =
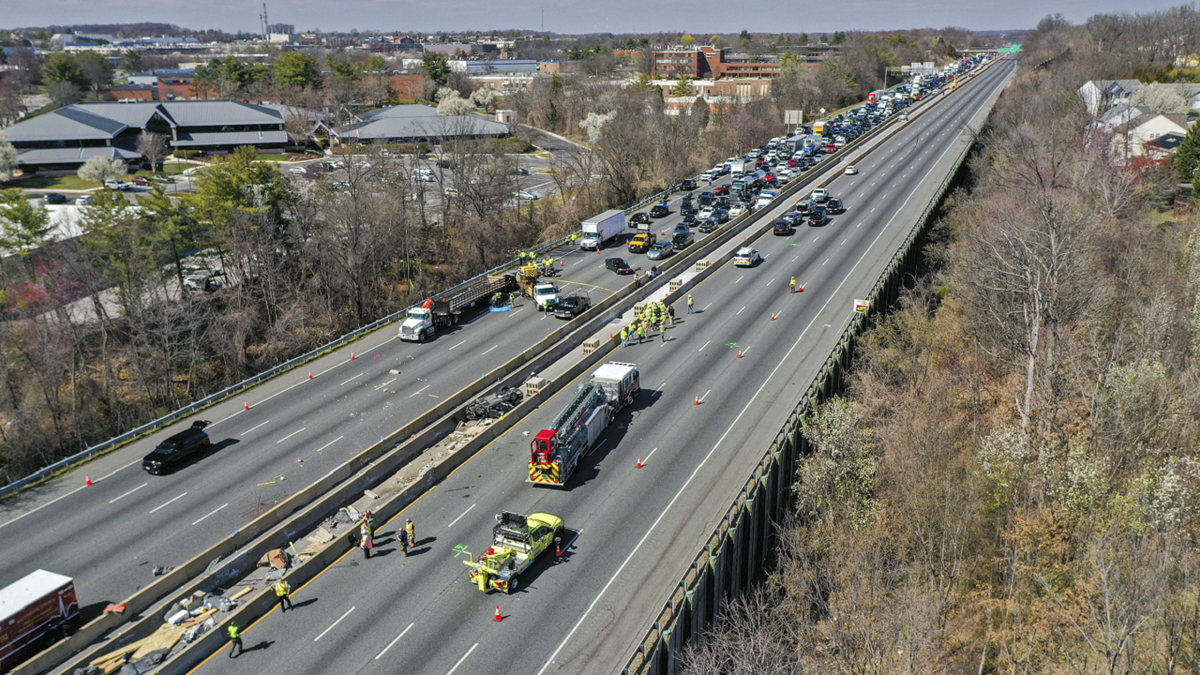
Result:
pixel 184 622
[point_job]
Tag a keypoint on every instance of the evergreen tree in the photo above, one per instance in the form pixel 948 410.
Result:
pixel 1188 155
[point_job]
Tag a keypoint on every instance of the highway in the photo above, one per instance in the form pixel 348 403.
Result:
pixel 748 353
pixel 110 536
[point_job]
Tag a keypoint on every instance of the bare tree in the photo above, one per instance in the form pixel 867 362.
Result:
pixel 153 148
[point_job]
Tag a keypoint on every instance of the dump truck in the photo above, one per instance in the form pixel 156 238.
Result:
pixel 443 311
pixel 554 453
pixel 35 611
pixel 516 542
pixel 602 228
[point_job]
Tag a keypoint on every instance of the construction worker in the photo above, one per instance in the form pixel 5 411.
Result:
pixel 641 332
pixel 671 315
pixel 235 639
pixel 369 519
pixel 512 300
pixel 412 532
pixel 403 537
pixel 793 284
pixel 662 332
pixel 689 303
pixel 624 337
pixel 497 299
pixel 282 591
pixel 365 541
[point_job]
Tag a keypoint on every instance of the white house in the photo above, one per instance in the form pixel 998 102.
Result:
pixel 1130 139
pixel 1100 95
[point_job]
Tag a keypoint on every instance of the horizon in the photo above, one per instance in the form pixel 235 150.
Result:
pixel 574 19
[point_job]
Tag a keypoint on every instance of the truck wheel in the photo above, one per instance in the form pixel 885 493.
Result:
pixel 428 335
pixel 512 585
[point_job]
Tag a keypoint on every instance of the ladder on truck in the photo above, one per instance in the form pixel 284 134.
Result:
pixel 569 435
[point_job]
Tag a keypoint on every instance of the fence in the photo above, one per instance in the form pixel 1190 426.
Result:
pixel 731 560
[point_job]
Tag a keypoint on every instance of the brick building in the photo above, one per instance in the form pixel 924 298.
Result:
pixel 706 62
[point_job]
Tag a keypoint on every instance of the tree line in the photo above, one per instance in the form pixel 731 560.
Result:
pixel 1010 484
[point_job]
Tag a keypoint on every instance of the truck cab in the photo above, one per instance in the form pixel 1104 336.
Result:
pixel 417 325
pixel 545 295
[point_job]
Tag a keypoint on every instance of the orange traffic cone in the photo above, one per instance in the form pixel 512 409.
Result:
pixel 498 617
pixel 310 374
pixel 557 549
pixel 697 400
pixel 739 353
pixel 639 464
pixel 799 288
pixel 87 480
pixel 772 316
pixel 561 264
pixel 351 356
pixel 245 405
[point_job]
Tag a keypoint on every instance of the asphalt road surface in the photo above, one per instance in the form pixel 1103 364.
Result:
pixel 632 532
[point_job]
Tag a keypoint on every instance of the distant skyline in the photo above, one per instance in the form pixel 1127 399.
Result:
pixel 611 16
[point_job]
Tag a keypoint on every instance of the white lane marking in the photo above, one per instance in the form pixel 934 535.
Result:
pixel 464 658
pixel 253 428
pixel 226 419
pixel 330 443
pixel 48 503
pixel 858 226
pixel 740 310
pixel 826 260
pixel 351 379
pixel 594 447
pixel 705 345
pixel 705 395
pixel 485 353
pixel 289 436
pixel 815 239
pixel 843 242
pixel 395 641
pixel 696 471
pixel 740 278
pixel 116 499
pixel 796 258
pixel 419 390
pixel 167 503
pixel 333 624
pixel 579 262
pixel 457 346
pixel 647 460
pixel 742 352
pixel 704 308
pixel 770 282
pixel 460 517
pixel 211 512
pixel 873 209
pixel 385 384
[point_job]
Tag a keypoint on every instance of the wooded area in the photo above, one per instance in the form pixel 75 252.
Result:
pixel 1011 483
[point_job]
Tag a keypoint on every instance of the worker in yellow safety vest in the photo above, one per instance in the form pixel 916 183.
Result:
pixel 235 639
pixel 282 590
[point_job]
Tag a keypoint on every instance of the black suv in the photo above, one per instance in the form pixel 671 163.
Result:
pixel 687 184
pixel 177 449
pixel 817 216
pixel 782 226
pixel 835 206
pixel 660 211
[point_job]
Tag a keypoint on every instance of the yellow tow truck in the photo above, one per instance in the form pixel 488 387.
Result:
pixel 516 542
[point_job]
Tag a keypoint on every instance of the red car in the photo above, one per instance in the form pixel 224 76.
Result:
pixel 139 180
pixel 720 190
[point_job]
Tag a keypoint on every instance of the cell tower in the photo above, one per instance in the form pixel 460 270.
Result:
pixel 265 26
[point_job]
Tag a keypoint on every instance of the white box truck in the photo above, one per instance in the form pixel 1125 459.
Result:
pixel 598 230
pixel 35 611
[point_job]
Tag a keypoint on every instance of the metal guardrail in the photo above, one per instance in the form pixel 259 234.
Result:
pixel 728 563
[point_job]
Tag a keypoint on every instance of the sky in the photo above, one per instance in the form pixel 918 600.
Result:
pixel 570 16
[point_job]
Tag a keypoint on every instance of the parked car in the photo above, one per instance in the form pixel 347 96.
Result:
pixel 54 198
pixel 518 171
pixel 528 196
pixel 618 265
pixel 141 180
pixel 660 211
pixel 298 170
pixel 84 200
pixel 687 184
pixel 113 184
pixel 659 250
pixel 177 449
pixel 571 306
pixel 747 256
